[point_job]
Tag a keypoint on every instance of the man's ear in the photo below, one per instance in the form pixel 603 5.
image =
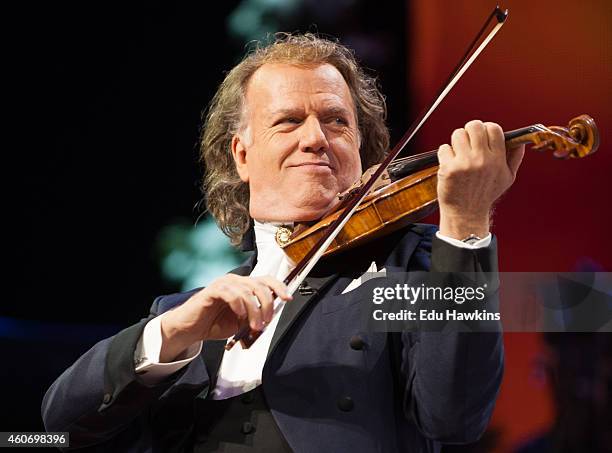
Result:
pixel 239 153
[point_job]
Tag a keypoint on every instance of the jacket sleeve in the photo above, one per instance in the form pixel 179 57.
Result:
pixel 453 378
pixel 100 397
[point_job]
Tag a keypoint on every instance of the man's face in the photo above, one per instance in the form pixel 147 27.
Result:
pixel 300 147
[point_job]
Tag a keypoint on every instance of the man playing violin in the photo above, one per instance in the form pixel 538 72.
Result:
pixel 292 126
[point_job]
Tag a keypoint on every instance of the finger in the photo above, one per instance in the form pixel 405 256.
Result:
pixel 477 134
pixel 495 137
pixel 237 306
pixel 245 295
pixel 445 154
pixel 460 142
pixel 265 299
pixel 277 287
pixel 256 321
pixel 226 293
pixel 514 158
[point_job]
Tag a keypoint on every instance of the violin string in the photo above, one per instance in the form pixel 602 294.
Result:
pixel 413 158
pixel 422 156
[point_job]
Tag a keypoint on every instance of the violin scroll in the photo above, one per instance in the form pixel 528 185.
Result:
pixel 409 192
pixel 579 139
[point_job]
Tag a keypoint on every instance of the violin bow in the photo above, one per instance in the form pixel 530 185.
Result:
pixel 246 335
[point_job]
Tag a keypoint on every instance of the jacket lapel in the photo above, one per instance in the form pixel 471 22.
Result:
pixel 308 291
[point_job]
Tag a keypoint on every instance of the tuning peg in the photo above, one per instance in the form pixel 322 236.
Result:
pixel 544 144
pixel 564 153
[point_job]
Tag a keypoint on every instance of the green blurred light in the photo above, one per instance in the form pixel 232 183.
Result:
pixel 256 19
pixel 193 256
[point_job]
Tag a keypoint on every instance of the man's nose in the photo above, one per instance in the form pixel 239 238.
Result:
pixel 313 139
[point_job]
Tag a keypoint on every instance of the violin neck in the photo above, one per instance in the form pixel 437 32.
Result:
pixel 411 164
pixel 408 165
pixel 523 136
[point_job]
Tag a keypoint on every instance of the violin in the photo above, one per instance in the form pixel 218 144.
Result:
pixel 406 191
pixel 397 192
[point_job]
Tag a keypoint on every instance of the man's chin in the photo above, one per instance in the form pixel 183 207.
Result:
pixel 317 209
pixel 309 211
pixel 309 214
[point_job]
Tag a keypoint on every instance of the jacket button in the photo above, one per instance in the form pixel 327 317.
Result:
pixel 345 404
pixel 107 398
pixel 357 343
pixel 247 428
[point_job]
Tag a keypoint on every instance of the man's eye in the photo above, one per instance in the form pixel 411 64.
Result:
pixel 289 120
pixel 341 121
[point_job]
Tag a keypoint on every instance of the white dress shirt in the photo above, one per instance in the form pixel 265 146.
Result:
pixel 240 369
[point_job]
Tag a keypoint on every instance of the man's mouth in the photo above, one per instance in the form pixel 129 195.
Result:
pixel 313 164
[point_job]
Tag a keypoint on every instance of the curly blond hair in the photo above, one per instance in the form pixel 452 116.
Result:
pixel 227 197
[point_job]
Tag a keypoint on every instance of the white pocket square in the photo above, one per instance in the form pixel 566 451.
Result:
pixel 358 281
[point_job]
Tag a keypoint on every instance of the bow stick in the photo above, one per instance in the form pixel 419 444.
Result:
pixel 246 335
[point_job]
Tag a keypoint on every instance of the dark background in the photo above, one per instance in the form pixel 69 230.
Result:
pixel 107 104
pixel 111 97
